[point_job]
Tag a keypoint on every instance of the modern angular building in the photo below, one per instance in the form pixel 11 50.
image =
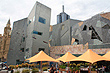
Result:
pixel 94 31
pixel 30 35
pixel 79 36
pixel 18 42
pixel 61 32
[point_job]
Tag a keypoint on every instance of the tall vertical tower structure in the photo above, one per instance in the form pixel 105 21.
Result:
pixel 5 42
pixel 30 35
pixel 38 30
pixel 62 16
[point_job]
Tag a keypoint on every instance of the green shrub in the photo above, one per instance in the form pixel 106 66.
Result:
pixel 23 65
pixel 26 71
pixel 34 70
pixel 78 65
pixel 62 66
pixel 20 66
pixel 76 68
pixel 74 64
pixel 82 64
pixel 87 64
pixel 44 68
pixel 26 64
pixel 17 71
pixel 11 66
pixel 92 69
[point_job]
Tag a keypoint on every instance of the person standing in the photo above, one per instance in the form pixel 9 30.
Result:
pixel 103 69
pixel 12 71
pixel 2 65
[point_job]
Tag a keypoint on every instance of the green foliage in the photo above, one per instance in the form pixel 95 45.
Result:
pixel 82 64
pixel 87 64
pixel 76 68
pixel 34 70
pixel 17 71
pixel 95 64
pixel 11 66
pixel 74 64
pixel 62 66
pixel 20 66
pixel 26 71
pixel 78 65
pixel 45 68
pixel 93 69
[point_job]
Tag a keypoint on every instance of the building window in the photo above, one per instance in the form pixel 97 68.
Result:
pixel 35 32
pixel 94 34
pixel 27 49
pixel 77 41
pixel 90 28
pixel 22 49
pixel 23 39
pixel 60 19
pixel 62 27
pixel 42 20
pixel 85 28
pixel 41 49
pixel 29 21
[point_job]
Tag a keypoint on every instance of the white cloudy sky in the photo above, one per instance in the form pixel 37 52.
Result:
pixel 77 9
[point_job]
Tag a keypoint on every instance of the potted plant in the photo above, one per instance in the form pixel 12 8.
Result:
pixel 34 70
pixel 17 71
pixel 62 67
pixel 44 68
pixel 93 70
pixel 26 71
pixel 77 69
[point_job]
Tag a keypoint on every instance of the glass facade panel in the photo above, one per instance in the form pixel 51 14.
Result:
pixel 36 32
pixel 42 20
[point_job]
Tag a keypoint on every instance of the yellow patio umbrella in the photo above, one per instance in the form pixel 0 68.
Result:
pixel 90 56
pixel 41 56
pixel 67 57
pixel 107 55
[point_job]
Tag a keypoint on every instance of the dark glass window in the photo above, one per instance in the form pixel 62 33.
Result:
pixel 85 28
pixel 27 49
pixel 95 34
pixel 22 49
pixel 39 33
pixel 42 20
pixel 29 21
pixel 77 41
pixel 23 39
pixel 41 49
pixel 60 18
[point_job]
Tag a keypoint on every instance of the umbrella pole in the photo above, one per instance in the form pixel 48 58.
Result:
pixel 41 67
pixel 90 67
pixel 68 68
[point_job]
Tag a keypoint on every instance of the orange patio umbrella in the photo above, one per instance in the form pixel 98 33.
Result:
pixel 90 56
pixel 67 57
pixel 41 56
pixel 107 55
